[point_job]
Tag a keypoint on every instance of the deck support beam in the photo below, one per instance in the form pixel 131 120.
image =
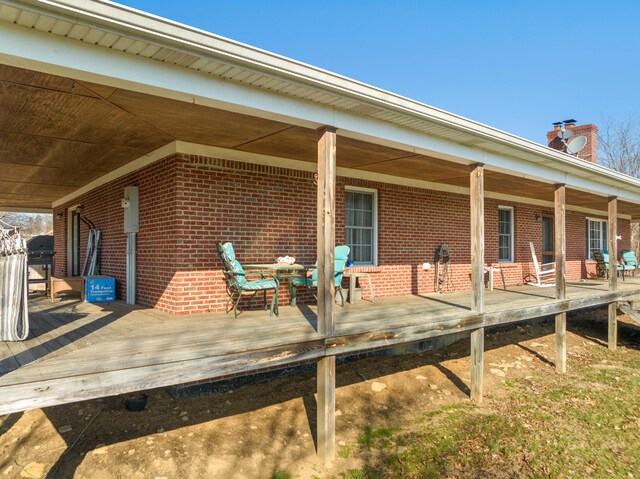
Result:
pixel 561 343
pixel 477 364
pixel 326 380
pixel 476 196
pixel 561 276
pixel 613 243
pixel 613 271
pixel 326 408
pixel 613 326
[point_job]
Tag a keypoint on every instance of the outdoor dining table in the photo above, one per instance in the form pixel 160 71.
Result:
pixel 280 270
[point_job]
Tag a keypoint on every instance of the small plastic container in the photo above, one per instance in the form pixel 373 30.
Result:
pixel 136 402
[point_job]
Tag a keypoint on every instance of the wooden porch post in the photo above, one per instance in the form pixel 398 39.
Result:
pixel 476 196
pixel 613 245
pixel 326 375
pixel 613 270
pixel 561 267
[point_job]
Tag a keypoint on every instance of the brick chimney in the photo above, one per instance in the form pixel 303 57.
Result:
pixel 589 152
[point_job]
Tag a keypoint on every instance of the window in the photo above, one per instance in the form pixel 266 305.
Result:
pixel 597 238
pixel 361 225
pixel 505 234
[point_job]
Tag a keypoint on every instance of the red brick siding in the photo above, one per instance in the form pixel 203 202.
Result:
pixel 189 203
pixel 156 247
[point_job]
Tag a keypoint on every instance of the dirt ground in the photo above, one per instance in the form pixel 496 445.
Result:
pixel 265 430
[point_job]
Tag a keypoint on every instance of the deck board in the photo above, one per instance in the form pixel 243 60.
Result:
pixel 78 350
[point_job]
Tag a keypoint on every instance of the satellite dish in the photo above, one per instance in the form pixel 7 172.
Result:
pixel 565 134
pixel 578 143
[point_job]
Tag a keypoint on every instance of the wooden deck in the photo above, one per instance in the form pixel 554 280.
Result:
pixel 79 351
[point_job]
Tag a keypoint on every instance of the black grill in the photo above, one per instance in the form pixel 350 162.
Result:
pixel 41 254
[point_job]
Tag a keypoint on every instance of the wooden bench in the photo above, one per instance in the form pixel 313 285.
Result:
pixel 70 283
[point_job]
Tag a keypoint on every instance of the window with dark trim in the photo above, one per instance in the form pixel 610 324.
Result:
pixel 505 234
pixel 361 227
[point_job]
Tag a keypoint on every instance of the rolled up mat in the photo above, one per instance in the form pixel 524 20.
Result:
pixel 14 317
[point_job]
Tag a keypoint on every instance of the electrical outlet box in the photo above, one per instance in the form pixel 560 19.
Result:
pixel 130 205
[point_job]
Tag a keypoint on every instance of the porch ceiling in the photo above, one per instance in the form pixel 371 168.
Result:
pixel 59 134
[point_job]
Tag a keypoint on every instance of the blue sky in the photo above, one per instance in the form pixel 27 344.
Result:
pixel 517 66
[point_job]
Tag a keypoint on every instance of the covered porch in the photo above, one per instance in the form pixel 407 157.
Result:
pixel 89 113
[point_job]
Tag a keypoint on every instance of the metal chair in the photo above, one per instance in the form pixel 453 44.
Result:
pixel 340 261
pixel 602 264
pixel 630 261
pixel 236 281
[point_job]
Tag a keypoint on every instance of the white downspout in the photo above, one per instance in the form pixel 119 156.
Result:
pixel 131 268
pixel 131 215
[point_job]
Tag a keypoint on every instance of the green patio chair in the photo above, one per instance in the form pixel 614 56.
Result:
pixel 602 264
pixel 237 284
pixel 630 260
pixel 622 267
pixel 340 261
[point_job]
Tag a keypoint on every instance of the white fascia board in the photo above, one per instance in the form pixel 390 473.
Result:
pixel 27 48
pixel 48 53
pixel 395 136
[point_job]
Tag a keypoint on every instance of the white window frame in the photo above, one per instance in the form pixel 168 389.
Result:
pixel 603 231
pixel 374 246
pixel 511 233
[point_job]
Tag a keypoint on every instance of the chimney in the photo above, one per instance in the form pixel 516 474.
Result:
pixel 589 152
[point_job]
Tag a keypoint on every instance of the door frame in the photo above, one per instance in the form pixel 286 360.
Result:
pixel 551 252
pixel 72 211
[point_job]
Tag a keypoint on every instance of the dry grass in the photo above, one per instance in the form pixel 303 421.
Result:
pixel 583 424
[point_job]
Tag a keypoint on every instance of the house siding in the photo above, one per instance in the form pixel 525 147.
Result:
pixel 156 241
pixel 189 203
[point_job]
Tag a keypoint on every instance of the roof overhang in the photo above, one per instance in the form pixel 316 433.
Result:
pixel 116 46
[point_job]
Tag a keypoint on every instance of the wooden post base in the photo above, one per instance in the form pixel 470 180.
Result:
pixel 561 343
pixel 613 326
pixel 326 409
pixel 477 364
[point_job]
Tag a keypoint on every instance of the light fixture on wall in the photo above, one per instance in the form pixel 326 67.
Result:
pixel 59 215
pixel 538 217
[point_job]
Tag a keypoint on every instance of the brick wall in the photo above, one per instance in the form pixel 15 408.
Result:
pixel 156 244
pixel 189 203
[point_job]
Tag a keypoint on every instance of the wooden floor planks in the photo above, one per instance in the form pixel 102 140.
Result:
pixel 80 350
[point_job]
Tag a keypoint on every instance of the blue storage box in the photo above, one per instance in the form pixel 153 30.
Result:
pixel 99 289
